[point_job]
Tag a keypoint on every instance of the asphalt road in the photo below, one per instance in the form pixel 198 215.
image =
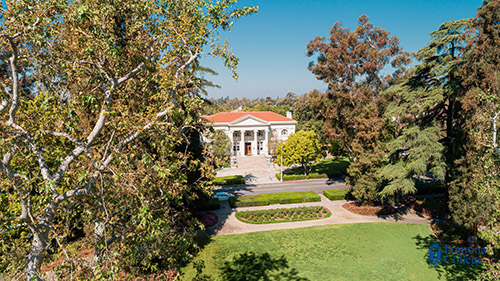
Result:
pixel 304 185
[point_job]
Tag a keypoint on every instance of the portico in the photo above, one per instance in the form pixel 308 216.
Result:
pixel 250 132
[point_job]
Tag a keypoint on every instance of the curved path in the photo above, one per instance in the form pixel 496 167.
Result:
pixel 229 224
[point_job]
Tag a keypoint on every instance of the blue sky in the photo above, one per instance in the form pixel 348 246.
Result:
pixel 271 44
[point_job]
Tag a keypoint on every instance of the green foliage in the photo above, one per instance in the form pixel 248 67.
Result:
pixel 274 198
pixel 300 148
pixel 220 146
pixel 108 140
pixel 228 180
pixel 283 215
pixel 336 194
pixel 417 107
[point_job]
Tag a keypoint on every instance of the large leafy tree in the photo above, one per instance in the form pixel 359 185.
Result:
pixel 300 148
pixel 425 110
pixel 220 146
pixel 475 194
pixel 351 62
pixel 110 125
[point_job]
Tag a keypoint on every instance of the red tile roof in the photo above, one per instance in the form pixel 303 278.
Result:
pixel 228 117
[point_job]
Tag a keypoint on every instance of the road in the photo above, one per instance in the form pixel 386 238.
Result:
pixel 304 185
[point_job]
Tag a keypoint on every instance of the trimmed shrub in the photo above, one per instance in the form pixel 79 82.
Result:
pixel 336 194
pixel 274 198
pixel 229 180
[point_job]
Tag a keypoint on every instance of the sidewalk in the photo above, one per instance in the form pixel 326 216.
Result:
pixel 229 224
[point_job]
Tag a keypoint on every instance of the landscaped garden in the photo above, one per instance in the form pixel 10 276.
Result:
pixel 368 251
pixel 274 198
pixel 329 168
pixel 283 215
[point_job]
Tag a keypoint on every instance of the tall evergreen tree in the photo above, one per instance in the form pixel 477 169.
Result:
pixel 425 111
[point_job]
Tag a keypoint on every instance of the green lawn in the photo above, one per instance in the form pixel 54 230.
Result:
pixel 329 168
pixel 228 180
pixel 367 251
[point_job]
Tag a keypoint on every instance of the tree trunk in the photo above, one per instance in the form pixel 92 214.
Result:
pixel 38 246
pixel 304 166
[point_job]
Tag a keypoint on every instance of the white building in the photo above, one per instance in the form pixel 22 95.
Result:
pixel 250 132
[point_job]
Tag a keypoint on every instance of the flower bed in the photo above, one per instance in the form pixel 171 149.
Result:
pixel 283 215
pixel 208 219
pixel 365 210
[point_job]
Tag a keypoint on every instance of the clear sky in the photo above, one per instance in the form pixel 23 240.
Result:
pixel 271 44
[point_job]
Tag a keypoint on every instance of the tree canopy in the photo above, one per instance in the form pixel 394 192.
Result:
pixel 302 148
pixel 100 129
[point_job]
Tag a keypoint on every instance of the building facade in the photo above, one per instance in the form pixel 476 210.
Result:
pixel 251 132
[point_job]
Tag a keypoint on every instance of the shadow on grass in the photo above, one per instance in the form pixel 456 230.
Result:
pixel 250 266
pixel 447 271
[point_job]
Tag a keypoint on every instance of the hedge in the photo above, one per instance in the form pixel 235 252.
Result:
pixel 229 180
pixel 302 177
pixel 336 194
pixel 274 198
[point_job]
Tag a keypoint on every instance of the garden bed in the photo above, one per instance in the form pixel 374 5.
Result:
pixel 366 210
pixel 283 215
pixel 208 219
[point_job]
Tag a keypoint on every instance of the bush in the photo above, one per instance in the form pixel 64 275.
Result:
pixel 274 198
pixel 336 194
pixel 208 205
pixel 229 180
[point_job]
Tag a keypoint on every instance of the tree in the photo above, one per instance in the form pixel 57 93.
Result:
pixel 300 148
pixel 109 127
pixel 475 193
pixel 351 63
pixel 422 107
pixel 220 146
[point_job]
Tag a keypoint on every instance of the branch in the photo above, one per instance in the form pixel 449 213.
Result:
pixel 101 120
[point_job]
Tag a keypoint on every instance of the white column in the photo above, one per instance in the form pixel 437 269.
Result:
pixel 264 142
pixel 255 133
pixel 242 142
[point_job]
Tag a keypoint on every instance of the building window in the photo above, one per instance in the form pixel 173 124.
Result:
pixel 248 134
pixel 236 134
pixel 284 132
pixel 260 133
pixel 260 146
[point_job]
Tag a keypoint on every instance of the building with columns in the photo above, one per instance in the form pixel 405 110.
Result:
pixel 250 132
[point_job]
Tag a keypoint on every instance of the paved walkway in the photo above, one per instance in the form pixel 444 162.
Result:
pixel 254 169
pixel 229 224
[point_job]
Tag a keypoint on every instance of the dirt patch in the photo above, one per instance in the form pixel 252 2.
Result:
pixel 366 210
pixel 432 207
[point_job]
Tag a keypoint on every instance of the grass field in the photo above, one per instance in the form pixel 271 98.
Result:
pixel 368 251
pixel 329 168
